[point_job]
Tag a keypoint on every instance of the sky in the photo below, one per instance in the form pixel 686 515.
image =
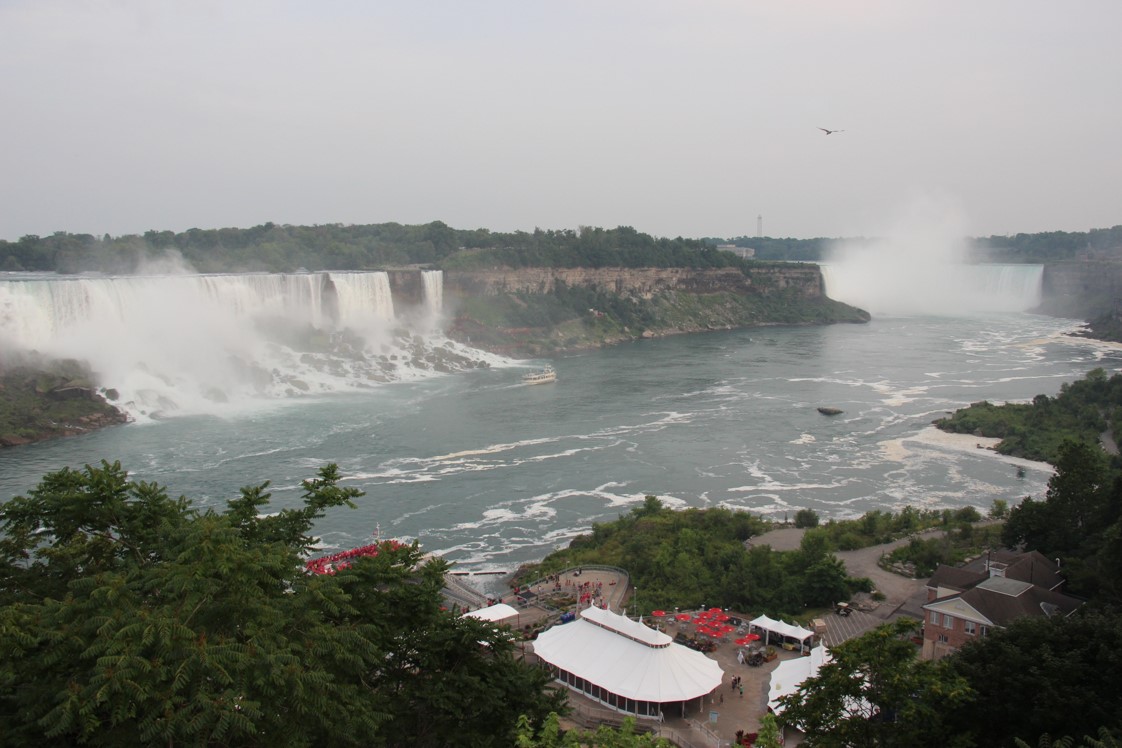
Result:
pixel 676 118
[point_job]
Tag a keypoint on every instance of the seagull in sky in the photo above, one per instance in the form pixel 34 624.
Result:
pixel 829 132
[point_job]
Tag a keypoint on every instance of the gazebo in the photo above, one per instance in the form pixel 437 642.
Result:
pixel 625 664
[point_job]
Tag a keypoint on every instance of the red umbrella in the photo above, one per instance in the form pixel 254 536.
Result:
pixel 743 640
pixel 683 617
pixel 658 613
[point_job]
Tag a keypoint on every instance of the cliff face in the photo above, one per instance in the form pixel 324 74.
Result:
pixel 1086 290
pixel 804 281
pixel 542 311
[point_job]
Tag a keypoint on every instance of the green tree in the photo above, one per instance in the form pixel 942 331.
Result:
pixel 130 618
pixel 769 735
pixel 1066 669
pixel 875 692
pixel 806 518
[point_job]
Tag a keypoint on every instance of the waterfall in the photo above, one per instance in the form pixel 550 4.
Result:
pixel 365 300
pixel 434 290
pixel 942 289
pixel 182 344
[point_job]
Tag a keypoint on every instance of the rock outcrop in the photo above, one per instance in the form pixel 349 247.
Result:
pixel 804 280
pixel 47 399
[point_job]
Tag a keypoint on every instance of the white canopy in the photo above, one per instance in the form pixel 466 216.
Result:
pixel 783 629
pixel 627 658
pixel 497 612
pixel 790 675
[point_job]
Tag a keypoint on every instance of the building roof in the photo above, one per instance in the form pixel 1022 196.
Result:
pixel 1032 567
pixel 954 578
pixel 790 674
pixel 611 651
pixel 1007 600
pixel 1010 585
pixel 781 628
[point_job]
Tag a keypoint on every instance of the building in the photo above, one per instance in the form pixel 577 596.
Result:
pixel 625 664
pixel 964 604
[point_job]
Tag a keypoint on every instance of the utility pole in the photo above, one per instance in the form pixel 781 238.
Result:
pixel 759 226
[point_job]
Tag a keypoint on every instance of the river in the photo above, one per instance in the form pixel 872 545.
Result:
pixel 491 473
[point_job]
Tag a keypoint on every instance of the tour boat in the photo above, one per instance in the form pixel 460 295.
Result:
pixel 541 376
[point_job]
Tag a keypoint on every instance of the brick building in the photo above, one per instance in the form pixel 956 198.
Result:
pixel 963 603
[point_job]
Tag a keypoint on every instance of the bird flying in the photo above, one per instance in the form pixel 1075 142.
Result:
pixel 829 132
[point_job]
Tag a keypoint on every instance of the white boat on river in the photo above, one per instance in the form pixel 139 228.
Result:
pixel 540 376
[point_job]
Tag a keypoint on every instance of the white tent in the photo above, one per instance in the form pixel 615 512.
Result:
pixel 497 613
pixel 790 675
pixel 627 658
pixel 782 629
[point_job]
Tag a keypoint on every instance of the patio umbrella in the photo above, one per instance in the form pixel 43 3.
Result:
pixel 658 613
pixel 683 617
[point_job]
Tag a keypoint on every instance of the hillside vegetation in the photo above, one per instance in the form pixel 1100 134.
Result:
pixel 1085 411
pixel 283 248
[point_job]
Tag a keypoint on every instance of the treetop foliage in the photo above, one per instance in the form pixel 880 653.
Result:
pixel 698 557
pixel 131 618
pixel 272 247
pixel 276 248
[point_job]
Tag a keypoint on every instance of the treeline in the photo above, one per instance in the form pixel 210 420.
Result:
pixel 770 248
pixel 1084 412
pixel 1052 246
pixel 275 248
pixel 1046 246
pixel 282 248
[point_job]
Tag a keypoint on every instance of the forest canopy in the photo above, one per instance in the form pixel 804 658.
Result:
pixel 272 247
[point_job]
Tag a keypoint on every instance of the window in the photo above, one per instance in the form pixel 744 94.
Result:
pixel 985 630
pixel 943 639
pixel 948 621
pixel 969 627
pixel 934 618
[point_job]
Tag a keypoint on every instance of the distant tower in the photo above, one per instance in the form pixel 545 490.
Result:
pixel 759 226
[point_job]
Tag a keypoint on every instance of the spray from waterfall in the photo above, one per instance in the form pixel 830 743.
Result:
pixel 181 344
pixel 920 268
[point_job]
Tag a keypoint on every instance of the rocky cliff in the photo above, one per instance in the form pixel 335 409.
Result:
pixel 540 311
pixel 804 281
pixel 1087 289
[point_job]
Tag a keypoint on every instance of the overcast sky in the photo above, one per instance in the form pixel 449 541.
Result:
pixel 677 118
